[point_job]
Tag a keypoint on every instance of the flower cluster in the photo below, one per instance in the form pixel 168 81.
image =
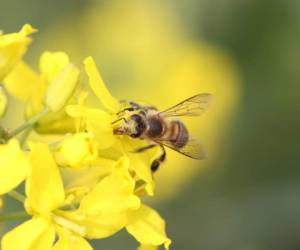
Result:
pixel 82 182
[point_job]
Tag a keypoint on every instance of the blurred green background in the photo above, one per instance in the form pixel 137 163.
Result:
pixel 249 199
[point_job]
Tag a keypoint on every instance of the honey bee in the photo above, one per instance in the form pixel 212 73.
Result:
pixel 163 128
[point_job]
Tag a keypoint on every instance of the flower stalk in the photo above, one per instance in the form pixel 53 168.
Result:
pixel 13 216
pixel 27 125
pixel 16 195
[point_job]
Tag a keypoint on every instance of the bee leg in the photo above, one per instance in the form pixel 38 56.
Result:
pixel 156 163
pixel 143 149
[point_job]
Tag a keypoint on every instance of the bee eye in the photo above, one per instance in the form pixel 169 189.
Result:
pixel 139 127
pixel 136 118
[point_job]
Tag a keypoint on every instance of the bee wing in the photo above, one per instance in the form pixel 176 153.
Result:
pixel 193 148
pixel 192 106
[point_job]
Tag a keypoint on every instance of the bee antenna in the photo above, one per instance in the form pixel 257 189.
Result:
pixel 119 120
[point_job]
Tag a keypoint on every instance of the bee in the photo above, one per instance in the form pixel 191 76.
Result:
pixel 164 128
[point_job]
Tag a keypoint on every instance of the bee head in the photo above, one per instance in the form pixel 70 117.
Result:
pixel 136 125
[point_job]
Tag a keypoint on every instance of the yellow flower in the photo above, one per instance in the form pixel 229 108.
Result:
pixel 106 207
pixel 45 193
pixel 12 48
pixel 14 166
pixel 112 204
pixel 76 150
pixel 104 210
pixel 99 123
pixel 96 207
pixel 52 88
pixel 44 186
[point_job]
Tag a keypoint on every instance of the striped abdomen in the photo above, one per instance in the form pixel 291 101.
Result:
pixel 173 132
pixel 178 134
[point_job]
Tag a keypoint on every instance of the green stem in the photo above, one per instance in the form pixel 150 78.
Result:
pixel 16 195
pixel 25 135
pixel 27 124
pixel 13 216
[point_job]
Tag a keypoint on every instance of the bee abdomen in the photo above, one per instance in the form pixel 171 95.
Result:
pixel 179 134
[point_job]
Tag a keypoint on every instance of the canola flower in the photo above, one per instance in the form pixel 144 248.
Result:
pixel 86 184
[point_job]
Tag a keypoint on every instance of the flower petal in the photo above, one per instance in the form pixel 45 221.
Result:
pixel 84 178
pixel 113 194
pixel 76 151
pixel 14 166
pixel 33 234
pixel 97 121
pixel 147 247
pixel 103 211
pixel 69 241
pixel 141 167
pixel 148 227
pixel 140 163
pixel 52 63
pixel 27 29
pixel 61 87
pixel 44 186
pixel 23 82
pixel 12 47
pixel 96 226
pixel 98 86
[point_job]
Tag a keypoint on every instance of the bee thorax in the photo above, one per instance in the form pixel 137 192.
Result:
pixel 155 127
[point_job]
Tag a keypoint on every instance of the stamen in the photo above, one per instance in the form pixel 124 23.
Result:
pixel 81 230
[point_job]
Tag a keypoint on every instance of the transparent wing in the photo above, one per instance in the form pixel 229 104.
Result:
pixel 193 149
pixel 192 106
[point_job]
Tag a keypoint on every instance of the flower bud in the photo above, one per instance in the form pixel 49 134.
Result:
pixel 61 88
pixel 76 150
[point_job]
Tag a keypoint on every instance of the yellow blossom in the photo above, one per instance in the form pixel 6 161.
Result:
pixel 44 186
pixel 45 193
pixel 14 166
pixel 89 184
pixel 12 48
pixel 99 88
pixel 99 123
pixel 50 88
pixel 107 206
pixel 36 233
pixel 104 210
